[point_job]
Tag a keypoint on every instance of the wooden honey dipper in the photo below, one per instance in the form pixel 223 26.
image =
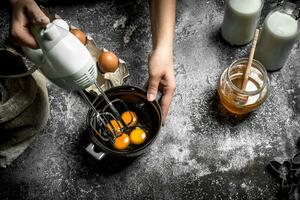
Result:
pixel 250 60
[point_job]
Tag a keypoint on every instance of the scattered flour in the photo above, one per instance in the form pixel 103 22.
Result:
pixel 243 185
pixel 120 22
pixel 129 33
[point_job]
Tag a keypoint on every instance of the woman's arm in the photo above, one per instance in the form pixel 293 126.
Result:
pixel 161 73
pixel 25 13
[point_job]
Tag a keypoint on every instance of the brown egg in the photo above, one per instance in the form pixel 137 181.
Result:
pixel 80 35
pixel 108 62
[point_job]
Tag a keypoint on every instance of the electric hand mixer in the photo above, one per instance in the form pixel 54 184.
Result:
pixel 65 61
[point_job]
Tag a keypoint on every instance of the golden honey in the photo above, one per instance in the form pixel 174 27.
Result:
pixel 236 100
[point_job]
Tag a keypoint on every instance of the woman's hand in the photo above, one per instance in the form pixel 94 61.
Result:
pixel 24 14
pixel 161 73
pixel 161 76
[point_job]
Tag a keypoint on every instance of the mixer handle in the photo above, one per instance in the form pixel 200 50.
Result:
pixel 91 150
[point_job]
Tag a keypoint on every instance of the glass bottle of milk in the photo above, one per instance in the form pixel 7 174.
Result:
pixel 240 20
pixel 279 33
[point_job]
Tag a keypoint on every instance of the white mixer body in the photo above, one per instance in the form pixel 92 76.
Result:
pixel 70 65
pixel 65 60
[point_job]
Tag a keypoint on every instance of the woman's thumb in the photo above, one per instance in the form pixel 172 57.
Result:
pixel 152 88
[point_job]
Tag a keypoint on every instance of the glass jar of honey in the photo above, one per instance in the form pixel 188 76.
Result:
pixel 236 100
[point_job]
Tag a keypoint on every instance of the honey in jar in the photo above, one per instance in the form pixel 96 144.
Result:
pixel 236 100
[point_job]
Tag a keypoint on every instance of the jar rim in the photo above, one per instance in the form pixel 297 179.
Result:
pixel 259 66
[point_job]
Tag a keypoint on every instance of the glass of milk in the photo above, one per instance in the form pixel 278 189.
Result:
pixel 240 20
pixel 279 33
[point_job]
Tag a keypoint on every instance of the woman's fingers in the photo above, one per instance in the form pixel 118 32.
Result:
pixel 153 87
pixel 36 15
pixel 26 13
pixel 19 32
pixel 168 92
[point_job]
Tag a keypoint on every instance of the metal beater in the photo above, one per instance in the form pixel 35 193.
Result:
pixel 65 61
pixel 101 120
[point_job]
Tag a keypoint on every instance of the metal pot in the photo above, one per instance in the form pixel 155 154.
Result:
pixel 148 112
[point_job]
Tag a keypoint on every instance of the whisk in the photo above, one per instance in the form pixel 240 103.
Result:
pixel 102 121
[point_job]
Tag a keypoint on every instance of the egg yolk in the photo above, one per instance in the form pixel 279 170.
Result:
pixel 137 136
pixel 122 142
pixel 130 118
pixel 115 126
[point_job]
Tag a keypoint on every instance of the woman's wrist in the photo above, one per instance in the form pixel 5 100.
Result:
pixel 163 48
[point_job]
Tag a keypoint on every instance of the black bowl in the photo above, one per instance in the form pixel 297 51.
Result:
pixel 149 114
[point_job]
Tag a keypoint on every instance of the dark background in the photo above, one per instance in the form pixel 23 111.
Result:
pixel 201 152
